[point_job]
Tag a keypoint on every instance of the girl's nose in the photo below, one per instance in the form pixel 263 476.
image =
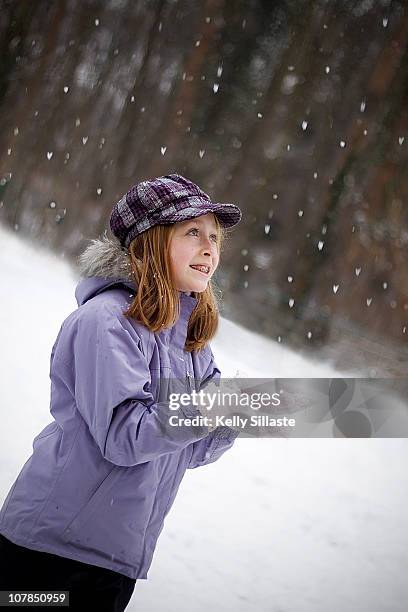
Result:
pixel 206 248
pixel 206 245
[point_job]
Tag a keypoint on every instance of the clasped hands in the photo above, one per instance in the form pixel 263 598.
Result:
pixel 214 399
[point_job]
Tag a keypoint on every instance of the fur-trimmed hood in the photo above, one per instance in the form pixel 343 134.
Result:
pixel 105 257
pixel 102 265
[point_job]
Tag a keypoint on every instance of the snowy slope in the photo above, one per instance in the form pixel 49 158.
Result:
pixel 274 525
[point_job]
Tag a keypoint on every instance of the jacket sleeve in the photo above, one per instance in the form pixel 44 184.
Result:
pixel 209 449
pixel 111 384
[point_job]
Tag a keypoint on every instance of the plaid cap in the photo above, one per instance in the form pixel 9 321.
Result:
pixel 165 200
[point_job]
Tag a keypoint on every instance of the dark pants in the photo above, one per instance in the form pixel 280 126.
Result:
pixel 90 587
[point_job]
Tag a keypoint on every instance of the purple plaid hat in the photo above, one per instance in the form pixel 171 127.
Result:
pixel 165 200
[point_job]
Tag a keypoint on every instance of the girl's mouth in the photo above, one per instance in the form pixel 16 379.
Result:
pixel 204 270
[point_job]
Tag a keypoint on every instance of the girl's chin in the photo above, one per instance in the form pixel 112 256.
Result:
pixel 194 284
pixel 197 288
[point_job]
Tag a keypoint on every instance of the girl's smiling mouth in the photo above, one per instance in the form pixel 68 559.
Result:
pixel 205 270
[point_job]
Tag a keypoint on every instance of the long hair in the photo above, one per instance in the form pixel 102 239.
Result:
pixel 157 303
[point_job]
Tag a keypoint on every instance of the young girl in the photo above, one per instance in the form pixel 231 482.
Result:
pixel 86 510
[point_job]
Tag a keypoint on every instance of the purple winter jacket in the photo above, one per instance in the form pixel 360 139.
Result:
pixel 103 475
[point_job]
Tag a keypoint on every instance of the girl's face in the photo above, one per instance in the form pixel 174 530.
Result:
pixel 194 243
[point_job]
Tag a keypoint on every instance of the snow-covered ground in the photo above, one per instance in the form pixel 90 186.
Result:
pixel 296 525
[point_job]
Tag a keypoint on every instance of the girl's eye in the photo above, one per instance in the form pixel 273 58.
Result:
pixel 213 236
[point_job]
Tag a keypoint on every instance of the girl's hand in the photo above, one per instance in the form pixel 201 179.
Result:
pixel 217 403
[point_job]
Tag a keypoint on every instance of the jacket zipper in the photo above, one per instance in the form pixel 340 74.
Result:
pixel 189 380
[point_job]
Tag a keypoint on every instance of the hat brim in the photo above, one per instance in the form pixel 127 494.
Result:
pixel 227 214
